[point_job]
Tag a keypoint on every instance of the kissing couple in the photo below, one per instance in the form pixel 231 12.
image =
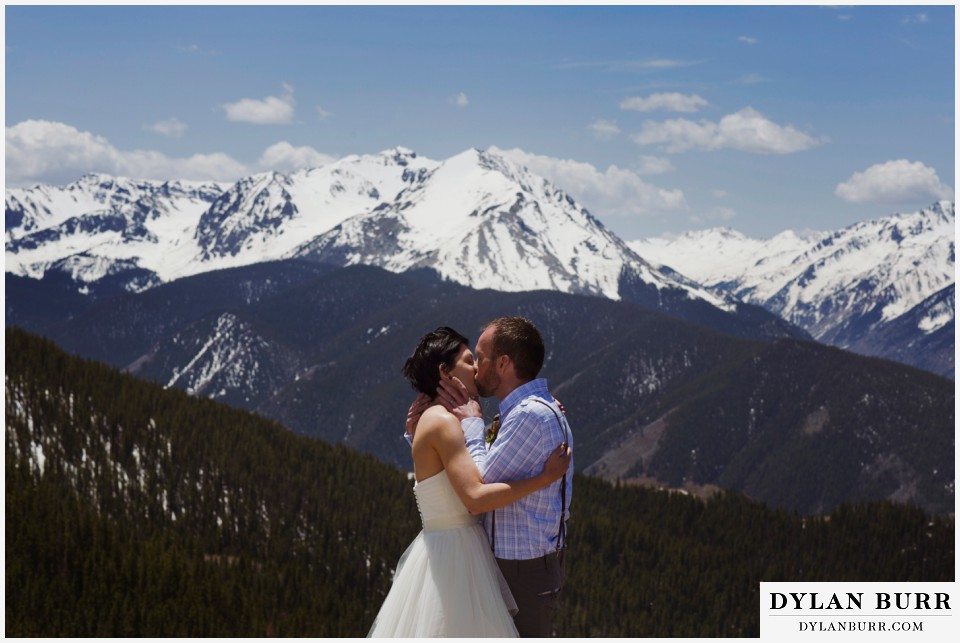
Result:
pixel 499 575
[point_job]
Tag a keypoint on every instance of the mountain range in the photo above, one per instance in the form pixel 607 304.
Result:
pixel 880 288
pixel 652 398
pixel 475 219
pixel 883 287
pixel 297 296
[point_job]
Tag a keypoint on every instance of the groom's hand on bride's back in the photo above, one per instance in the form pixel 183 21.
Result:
pixel 455 398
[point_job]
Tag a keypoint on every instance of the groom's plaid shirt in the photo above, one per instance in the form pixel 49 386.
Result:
pixel 529 432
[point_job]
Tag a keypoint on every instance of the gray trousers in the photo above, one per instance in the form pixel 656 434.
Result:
pixel 536 586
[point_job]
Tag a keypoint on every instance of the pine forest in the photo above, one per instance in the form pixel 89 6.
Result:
pixel 135 510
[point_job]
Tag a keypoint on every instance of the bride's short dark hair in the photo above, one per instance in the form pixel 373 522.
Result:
pixel 440 346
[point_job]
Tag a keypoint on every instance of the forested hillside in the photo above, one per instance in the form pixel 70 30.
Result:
pixel 790 423
pixel 132 510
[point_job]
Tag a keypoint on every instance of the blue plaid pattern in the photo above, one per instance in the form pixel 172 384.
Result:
pixel 529 432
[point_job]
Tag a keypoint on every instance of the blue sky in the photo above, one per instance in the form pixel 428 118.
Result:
pixel 659 119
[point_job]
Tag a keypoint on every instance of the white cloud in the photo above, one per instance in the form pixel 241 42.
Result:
pixel 284 157
pixel 654 165
pixel 44 151
pixel 604 130
pixel 671 101
pixel 323 114
pixel 724 213
pixel 843 16
pixel 215 166
pixel 659 63
pixel 272 110
pixel 613 192
pixel 750 40
pixel 893 182
pixel 628 65
pixel 747 130
pixel 720 213
pixel 752 79
pixel 916 19
pixel 51 152
pixel 460 100
pixel 171 128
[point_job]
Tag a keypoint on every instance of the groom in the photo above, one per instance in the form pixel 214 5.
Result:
pixel 527 537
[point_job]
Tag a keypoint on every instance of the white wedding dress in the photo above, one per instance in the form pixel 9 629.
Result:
pixel 447 582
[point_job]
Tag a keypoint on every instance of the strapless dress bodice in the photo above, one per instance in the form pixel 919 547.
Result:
pixel 440 507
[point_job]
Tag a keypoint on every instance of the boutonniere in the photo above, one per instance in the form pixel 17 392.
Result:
pixel 492 432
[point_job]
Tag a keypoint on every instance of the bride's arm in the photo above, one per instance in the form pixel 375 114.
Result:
pixel 478 497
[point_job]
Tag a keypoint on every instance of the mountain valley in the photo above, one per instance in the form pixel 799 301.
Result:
pixel 321 355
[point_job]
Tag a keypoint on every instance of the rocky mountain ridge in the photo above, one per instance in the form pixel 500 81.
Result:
pixel 843 287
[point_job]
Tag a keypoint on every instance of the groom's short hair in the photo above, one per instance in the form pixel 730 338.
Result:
pixel 518 339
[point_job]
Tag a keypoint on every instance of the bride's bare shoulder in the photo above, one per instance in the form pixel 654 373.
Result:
pixel 436 419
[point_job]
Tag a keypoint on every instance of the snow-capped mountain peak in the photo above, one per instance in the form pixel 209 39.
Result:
pixel 483 221
pixel 840 286
pixel 99 224
pixel 476 218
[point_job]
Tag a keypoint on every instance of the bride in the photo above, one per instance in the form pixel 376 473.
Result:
pixel 447 582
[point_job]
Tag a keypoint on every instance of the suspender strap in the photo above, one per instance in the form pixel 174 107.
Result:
pixel 562 530
pixel 493 529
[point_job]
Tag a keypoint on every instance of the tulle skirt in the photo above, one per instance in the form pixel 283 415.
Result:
pixel 447 584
